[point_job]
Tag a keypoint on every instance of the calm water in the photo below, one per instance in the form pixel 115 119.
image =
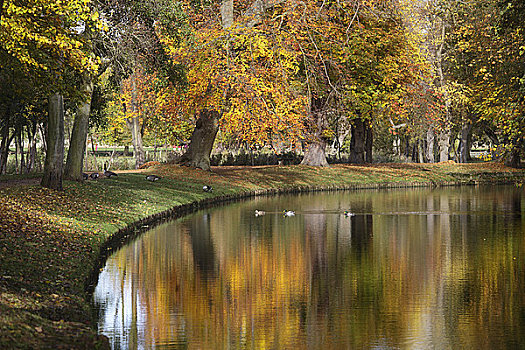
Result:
pixel 416 269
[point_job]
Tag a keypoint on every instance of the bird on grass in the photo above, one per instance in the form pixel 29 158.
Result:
pixel 152 178
pixel 108 173
pixel 94 176
pixel 288 213
pixel 348 213
pixel 85 176
pixel 207 188
pixel 259 212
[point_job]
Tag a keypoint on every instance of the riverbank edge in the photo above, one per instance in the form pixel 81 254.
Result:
pixel 118 237
pixel 135 229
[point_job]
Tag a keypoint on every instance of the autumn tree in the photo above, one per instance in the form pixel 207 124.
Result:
pixel 130 50
pixel 358 59
pixel 484 65
pixel 238 77
pixel 41 38
pixel 498 76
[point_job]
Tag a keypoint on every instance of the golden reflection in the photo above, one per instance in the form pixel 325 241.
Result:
pixel 411 270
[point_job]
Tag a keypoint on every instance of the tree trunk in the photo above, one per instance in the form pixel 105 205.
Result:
pixel 52 177
pixel 315 154
pixel 463 143
pixel 19 141
pixel 136 130
pixel 431 137
pixel 5 151
pixel 43 132
pixel 444 136
pixel 469 147
pixel 414 151
pixel 16 150
pixel 421 150
pixel 357 142
pixel 444 146
pixel 138 148
pixel 512 159
pixel 491 135
pixel 369 142
pixel 6 140
pixel 203 137
pixel 227 13
pixel 31 158
pixel 201 142
pixel 77 144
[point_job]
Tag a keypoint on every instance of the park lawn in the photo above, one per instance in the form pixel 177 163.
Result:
pixel 51 243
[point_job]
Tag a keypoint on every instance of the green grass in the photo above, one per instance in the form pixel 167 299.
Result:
pixel 50 242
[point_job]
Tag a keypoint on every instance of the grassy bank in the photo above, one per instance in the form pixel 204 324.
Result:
pixel 50 242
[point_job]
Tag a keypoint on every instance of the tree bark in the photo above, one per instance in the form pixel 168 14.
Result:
pixel 444 146
pixel 135 129
pixel 369 142
pixel 52 177
pixel 77 144
pixel 6 140
pixel 431 137
pixel 32 133
pixel 19 142
pixel 315 154
pixel 4 148
pixel 201 142
pixel 469 147
pixel 357 142
pixel 227 13
pixel 491 135
pixel 136 138
pixel 414 158
pixel 464 149
pixel 512 159
pixel 421 150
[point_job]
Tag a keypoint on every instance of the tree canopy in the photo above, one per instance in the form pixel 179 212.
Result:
pixel 421 80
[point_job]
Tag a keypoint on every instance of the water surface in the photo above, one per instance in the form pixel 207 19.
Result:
pixel 413 269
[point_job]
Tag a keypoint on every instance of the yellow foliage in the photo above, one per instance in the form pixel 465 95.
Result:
pixel 43 34
pixel 244 74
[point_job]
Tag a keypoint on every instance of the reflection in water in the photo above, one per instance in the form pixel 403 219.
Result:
pixel 421 269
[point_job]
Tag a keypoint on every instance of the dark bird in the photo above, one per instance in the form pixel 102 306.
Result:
pixel 108 173
pixel 85 176
pixel 207 188
pixel 94 176
pixel 152 177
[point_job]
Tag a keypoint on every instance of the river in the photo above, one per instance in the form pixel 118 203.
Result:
pixel 411 269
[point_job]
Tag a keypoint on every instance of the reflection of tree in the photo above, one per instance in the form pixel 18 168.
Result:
pixel 361 231
pixel 315 233
pixel 321 280
pixel 202 243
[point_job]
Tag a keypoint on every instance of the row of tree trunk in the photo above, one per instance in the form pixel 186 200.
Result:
pixel 25 160
pixel 203 137
pixel 54 169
